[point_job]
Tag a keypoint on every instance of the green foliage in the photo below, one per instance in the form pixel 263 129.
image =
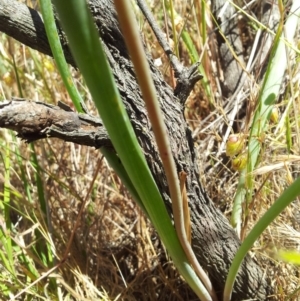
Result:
pixel 89 56
pixel 58 54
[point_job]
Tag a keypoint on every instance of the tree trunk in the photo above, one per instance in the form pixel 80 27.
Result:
pixel 229 32
pixel 213 240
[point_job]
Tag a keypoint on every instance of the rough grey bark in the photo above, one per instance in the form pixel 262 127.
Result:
pixel 37 120
pixel 214 241
pixel 229 45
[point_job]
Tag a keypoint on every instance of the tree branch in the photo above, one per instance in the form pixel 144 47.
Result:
pixel 36 120
pixel 26 25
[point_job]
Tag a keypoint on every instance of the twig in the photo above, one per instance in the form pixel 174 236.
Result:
pixel 186 76
pixel 176 65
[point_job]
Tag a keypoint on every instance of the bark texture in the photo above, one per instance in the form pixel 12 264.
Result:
pixel 229 45
pixel 214 241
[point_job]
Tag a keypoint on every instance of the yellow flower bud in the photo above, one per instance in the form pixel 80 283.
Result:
pixel 274 115
pixel 235 144
pixel 239 163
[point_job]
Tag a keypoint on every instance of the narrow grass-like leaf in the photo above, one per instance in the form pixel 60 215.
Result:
pixel 193 54
pixel 5 256
pixel 144 77
pixel 288 135
pixel 42 247
pixel 195 58
pixel 58 54
pixel 116 164
pixel 89 56
pixel 281 203
pixel 203 20
pixel 5 238
pixel 17 76
pixel 39 69
pixel 23 258
pixel 28 266
pixel 25 182
pixel 6 193
pixel 237 209
pixel 39 181
pixel 172 13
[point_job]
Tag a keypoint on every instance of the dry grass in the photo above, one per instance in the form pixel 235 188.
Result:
pixel 115 253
